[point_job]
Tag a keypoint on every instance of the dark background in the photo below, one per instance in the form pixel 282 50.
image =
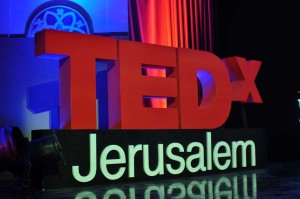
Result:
pixel 265 31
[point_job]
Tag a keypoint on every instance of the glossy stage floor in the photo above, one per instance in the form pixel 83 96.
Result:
pixel 278 180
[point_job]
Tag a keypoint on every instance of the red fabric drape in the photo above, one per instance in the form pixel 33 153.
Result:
pixel 176 23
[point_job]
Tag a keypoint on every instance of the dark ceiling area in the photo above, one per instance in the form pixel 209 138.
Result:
pixel 265 31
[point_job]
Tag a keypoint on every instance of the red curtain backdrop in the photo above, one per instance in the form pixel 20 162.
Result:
pixel 176 23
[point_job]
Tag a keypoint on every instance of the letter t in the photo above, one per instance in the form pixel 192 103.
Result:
pixel 77 73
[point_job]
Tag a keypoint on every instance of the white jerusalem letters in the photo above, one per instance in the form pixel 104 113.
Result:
pixel 173 158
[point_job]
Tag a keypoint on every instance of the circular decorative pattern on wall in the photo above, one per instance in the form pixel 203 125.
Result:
pixel 59 17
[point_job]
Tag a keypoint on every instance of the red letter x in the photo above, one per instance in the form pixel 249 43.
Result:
pixel 242 75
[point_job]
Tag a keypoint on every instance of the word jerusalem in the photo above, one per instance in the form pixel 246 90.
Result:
pixel 173 158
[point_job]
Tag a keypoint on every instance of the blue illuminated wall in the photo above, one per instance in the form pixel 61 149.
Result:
pixel 29 85
pixel 22 77
pixel 106 15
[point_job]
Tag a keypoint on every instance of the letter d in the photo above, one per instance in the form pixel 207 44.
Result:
pixel 210 107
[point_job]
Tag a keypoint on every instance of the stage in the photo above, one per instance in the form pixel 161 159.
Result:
pixel 277 180
pixel 127 99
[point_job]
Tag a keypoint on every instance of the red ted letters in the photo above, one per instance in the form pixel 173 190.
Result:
pixel 197 87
